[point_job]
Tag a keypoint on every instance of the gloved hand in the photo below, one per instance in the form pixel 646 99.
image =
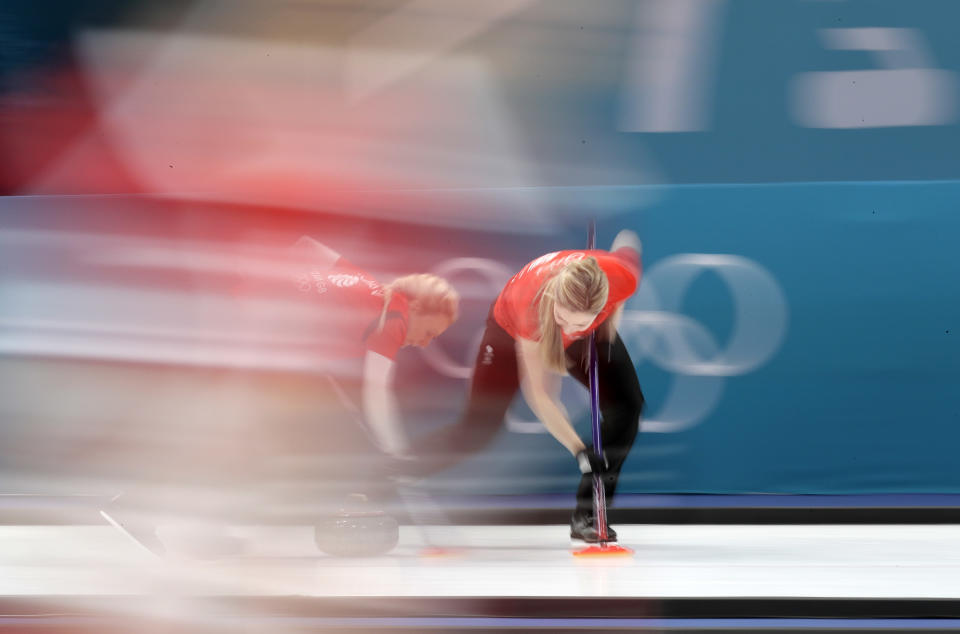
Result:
pixel 590 461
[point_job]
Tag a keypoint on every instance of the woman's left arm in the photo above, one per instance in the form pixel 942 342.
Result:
pixel 537 386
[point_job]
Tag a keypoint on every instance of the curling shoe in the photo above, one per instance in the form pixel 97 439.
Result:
pixel 582 528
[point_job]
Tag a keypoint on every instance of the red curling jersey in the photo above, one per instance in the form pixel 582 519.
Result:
pixel 517 306
pixel 348 312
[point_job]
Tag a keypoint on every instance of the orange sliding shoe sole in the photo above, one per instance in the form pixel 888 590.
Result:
pixel 602 550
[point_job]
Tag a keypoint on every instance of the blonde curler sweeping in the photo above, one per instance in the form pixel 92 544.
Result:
pixel 580 286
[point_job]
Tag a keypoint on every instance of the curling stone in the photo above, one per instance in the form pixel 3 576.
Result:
pixel 357 530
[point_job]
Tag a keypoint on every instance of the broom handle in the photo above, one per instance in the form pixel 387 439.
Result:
pixel 599 493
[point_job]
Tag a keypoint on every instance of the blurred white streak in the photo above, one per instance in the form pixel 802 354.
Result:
pixel 125 324
pixel 80 313
pixel 152 253
pixel 418 33
pixel 668 87
pixel 906 91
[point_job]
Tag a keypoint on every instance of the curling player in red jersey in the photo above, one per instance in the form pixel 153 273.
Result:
pixel 357 326
pixel 362 319
pixel 536 333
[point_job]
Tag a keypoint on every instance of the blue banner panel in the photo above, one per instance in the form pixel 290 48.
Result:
pixel 791 338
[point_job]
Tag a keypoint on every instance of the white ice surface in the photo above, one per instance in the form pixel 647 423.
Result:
pixel 851 561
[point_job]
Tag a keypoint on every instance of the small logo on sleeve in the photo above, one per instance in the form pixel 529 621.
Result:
pixel 487 355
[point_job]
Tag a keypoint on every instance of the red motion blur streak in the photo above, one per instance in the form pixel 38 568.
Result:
pixel 297 148
pixel 38 128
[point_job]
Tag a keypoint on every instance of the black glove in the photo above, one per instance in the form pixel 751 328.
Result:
pixel 590 461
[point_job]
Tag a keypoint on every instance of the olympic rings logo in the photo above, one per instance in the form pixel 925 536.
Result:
pixel 656 331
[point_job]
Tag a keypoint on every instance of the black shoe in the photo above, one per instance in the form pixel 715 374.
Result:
pixel 582 528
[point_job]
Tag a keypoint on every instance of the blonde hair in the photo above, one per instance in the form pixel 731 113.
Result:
pixel 580 286
pixel 427 294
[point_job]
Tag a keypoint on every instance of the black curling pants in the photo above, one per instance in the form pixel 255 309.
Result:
pixel 496 381
pixel 621 404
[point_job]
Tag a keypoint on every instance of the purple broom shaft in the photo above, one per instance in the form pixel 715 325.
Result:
pixel 599 494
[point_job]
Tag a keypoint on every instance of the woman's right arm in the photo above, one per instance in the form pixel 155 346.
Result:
pixel 380 405
pixel 536 381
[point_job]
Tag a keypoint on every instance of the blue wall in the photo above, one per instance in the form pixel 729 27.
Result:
pixel 862 394
pixel 847 375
